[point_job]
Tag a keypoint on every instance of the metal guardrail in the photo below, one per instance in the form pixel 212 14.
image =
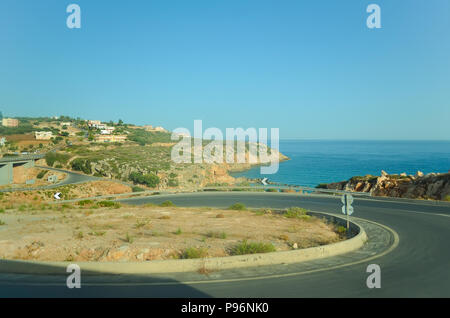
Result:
pixel 21 158
pixel 289 187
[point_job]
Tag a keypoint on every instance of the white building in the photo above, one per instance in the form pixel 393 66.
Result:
pixel 43 135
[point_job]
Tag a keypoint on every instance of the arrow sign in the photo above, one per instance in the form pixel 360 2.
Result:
pixel 264 181
pixel 349 199
pixel 347 209
pixel 56 196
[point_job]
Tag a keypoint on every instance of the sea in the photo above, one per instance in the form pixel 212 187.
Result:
pixel 323 161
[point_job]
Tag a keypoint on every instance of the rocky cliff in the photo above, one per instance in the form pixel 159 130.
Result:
pixel 435 186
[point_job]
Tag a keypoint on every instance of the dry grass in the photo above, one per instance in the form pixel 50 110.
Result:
pixel 87 232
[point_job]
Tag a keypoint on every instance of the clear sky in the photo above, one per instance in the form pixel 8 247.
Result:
pixel 311 68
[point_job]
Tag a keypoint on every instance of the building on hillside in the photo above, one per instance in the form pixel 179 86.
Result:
pixel 68 123
pixel 43 135
pixel 94 123
pixel 110 138
pixel 2 141
pixel 107 131
pixel 10 122
pixel 148 127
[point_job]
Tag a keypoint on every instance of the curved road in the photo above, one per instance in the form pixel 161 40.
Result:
pixel 418 267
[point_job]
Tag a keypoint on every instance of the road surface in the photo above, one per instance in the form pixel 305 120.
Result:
pixel 418 267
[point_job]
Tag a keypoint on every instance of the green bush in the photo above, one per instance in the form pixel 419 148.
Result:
pixel 108 204
pixel 150 180
pixel 178 231
pixel 80 164
pixel 41 174
pixel 296 212
pixel 237 206
pixel 216 234
pixel 85 202
pixel 52 157
pixel 252 248
pixel 341 229
pixel 167 203
pixel 172 183
pixel 272 190
pixel 137 189
pixel 193 252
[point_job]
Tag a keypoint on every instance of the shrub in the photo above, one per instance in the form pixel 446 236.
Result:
pixel 137 189
pixel 284 237
pixel 193 252
pixel 150 180
pixel 167 203
pixel 2 223
pixel 172 183
pixel 272 190
pixel 237 206
pixel 41 174
pixel 85 202
pixel 296 212
pixel 52 157
pixel 2 210
pixel 129 238
pixel 251 248
pixel 216 234
pixel 108 204
pixel 83 165
pixel 447 198
pixel 341 229
pixel 178 231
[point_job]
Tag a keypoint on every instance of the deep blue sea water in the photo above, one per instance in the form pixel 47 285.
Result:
pixel 313 162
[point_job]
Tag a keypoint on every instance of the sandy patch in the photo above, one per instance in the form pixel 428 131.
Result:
pixel 89 233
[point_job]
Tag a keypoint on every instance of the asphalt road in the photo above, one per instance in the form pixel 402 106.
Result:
pixel 418 267
pixel 72 178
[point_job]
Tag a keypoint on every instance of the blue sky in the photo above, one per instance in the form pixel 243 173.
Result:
pixel 311 68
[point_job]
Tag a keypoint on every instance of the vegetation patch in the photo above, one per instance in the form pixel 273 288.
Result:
pixel 194 252
pixel 296 212
pixel 167 204
pixel 245 247
pixel 238 207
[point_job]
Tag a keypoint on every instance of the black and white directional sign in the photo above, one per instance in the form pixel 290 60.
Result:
pixel 57 195
pixel 347 200
pixel 347 208
pixel 264 181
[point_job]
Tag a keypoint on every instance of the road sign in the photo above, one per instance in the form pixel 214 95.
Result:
pixel 56 196
pixel 347 208
pixel 264 181
pixel 349 198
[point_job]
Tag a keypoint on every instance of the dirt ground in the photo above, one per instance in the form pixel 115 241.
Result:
pixel 91 233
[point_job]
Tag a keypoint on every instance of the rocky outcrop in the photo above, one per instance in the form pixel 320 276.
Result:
pixel 435 186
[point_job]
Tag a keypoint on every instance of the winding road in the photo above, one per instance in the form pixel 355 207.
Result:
pixel 417 266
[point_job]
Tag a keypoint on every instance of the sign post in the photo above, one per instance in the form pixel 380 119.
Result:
pixel 347 208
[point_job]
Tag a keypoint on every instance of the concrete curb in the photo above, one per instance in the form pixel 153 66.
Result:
pixel 357 240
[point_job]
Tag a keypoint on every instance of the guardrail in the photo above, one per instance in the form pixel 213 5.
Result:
pixel 21 158
pixel 289 187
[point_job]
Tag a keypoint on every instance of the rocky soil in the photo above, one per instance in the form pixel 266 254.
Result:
pixel 91 233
